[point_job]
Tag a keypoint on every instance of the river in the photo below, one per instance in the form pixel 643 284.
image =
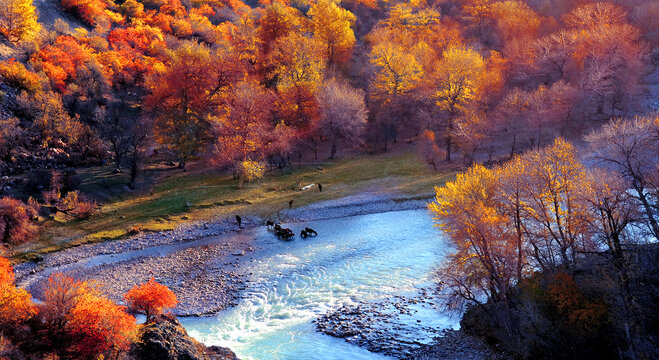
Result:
pixel 361 258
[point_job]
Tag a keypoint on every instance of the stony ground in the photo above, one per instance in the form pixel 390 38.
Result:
pixel 378 327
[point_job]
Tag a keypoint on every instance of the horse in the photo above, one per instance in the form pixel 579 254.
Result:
pixel 303 234
pixel 310 231
pixel 269 223
pixel 284 233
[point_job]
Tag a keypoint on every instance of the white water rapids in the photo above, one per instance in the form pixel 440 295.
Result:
pixel 360 258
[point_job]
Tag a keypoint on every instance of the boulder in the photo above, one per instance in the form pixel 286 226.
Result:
pixel 165 339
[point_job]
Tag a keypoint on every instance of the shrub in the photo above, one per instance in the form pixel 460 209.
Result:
pixel 71 180
pixel 15 224
pixel 428 149
pixel 97 325
pixel 43 179
pixel 90 11
pixel 150 298
pixel 76 205
pixel 581 315
pixel 82 322
pixel 252 170
pixel 51 197
pixel 15 74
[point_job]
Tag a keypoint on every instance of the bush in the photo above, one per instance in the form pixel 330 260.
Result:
pixel 15 74
pixel 76 205
pixel 51 197
pixel 71 180
pixel 15 225
pixel 90 11
pixel 82 323
pixel 150 298
pixel 43 179
pixel 428 149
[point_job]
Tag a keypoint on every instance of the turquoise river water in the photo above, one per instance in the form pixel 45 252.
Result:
pixel 360 258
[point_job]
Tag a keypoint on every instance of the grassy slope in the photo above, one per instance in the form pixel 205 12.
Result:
pixel 177 197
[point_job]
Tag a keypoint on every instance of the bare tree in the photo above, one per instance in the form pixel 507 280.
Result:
pixel 631 148
pixel 343 113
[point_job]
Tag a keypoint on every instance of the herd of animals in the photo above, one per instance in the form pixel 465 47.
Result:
pixel 287 234
pixel 281 232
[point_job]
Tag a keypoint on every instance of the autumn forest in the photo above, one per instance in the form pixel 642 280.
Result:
pixel 528 130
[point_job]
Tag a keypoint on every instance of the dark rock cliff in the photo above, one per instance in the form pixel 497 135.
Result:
pixel 165 339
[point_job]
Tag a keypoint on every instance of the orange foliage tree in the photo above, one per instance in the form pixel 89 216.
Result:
pixel 6 271
pixel 17 75
pixel 61 60
pixel 185 94
pixel 83 322
pixel 99 326
pixel 15 303
pixel 150 298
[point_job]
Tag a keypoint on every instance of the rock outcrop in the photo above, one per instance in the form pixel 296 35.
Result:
pixel 165 339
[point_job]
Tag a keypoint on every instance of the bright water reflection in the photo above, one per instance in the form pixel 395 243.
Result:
pixel 365 257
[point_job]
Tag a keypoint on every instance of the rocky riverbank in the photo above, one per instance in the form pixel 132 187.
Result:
pixel 378 327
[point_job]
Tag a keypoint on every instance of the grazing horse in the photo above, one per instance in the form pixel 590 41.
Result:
pixel 303 234
pixel 239 220
pixel 310 231
pixel 269 223
pixel 284 233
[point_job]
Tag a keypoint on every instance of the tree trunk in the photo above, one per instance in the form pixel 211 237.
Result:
pixel 134 169
pixel 448 148
pixel 654 227
pixel 117 161
pixel 512 148
pixel 333 151
pixel 241 181
pixel 181 164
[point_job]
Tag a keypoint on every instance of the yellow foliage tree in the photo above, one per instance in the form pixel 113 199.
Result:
pixel 298 61
pixel 331 25
pixel 18 19
pixel 458 77
pixel 486 260
pixel 398 71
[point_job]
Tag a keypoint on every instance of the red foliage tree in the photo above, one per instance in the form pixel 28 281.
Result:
pixel 99 326
pixel 89 11
pixel 150 298
pixel 83 323
pixel 61 60
pixel 15 224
